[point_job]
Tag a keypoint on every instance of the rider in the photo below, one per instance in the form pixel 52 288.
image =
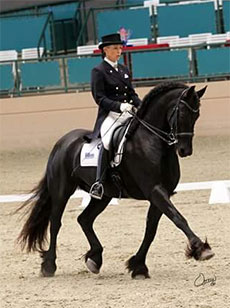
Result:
pixel 112 90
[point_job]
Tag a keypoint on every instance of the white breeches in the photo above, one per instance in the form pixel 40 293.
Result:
pixel 112 121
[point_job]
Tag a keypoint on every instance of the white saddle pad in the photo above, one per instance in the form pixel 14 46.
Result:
pixel 89 153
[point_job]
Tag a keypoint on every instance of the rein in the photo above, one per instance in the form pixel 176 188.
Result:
pixel 171 137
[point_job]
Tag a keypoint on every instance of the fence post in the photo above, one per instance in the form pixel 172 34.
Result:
pixel 219 17
pixel 94 27
pixel 17 78
pixel 192 62
pixel 64 67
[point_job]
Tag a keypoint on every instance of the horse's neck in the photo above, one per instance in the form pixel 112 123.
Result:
pixel 156 113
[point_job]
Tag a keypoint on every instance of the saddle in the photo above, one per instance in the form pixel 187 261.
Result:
pixel 90 151
pixel 116 149
pixel 117 143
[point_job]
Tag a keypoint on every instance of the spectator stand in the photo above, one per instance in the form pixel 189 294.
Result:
pixel 9 73
pixel 23 31
pixel 226 15
pixel 182 55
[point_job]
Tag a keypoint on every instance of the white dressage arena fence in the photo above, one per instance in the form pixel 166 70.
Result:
pixel 220 193
pixel 220 190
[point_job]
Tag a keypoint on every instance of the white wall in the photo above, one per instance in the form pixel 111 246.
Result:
pixel 39 121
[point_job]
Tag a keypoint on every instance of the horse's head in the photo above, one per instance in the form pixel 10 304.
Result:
pixel 188 111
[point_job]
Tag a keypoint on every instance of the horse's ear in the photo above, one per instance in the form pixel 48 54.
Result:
pixel 189 91
pixel 201 92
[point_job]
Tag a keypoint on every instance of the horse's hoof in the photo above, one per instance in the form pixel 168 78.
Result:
pixel 206 255
pixel 92 266
pixel 140 277
pixel 48 268
pixel 44 273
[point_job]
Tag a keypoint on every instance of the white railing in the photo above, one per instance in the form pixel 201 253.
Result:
pixel 138 42
pixel 89 49
pixel 32 53
pixel 8 55
pixel 220 193
pixel 86 50
pixel 194 39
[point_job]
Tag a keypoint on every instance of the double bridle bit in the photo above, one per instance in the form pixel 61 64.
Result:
pixel 171 137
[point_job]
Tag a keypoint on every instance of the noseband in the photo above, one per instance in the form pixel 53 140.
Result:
pixel 171 137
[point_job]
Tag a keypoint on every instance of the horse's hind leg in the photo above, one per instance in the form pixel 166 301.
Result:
pixel 48 266
pixel 136 264
pixel 196 248
pixel 93 257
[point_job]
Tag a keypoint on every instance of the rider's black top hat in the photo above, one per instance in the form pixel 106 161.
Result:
pixel 111 39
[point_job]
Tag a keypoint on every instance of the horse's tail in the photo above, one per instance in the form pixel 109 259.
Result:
pixel 33 233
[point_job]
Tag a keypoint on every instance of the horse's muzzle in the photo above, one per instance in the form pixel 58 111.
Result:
pixel 184 151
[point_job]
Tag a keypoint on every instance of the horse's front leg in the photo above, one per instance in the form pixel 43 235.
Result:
pixel 93 257
pixel 196 248
pixel 136 264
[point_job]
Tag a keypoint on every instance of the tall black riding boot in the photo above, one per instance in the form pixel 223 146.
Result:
pixel 97 189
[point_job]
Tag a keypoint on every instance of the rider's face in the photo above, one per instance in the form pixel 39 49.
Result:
pixel 113 52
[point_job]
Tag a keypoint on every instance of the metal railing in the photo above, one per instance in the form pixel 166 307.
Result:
pixel 82 36
pixel 42 42
pixel 80 16
pixel 65 85
pixel 91 14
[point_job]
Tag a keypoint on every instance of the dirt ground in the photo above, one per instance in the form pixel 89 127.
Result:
pixel 120 229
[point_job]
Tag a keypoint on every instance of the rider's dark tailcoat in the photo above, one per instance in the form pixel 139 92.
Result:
pixel 110 88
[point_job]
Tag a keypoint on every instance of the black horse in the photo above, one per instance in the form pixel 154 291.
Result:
pixel 161 128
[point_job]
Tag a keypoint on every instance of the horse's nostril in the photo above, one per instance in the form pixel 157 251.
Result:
pixel 182 152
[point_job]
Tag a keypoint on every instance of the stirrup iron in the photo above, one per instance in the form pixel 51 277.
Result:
pixel 95 190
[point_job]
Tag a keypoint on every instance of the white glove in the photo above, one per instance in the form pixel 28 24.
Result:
pixel 126 107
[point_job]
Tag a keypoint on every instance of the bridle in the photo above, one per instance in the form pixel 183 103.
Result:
pixel 171 137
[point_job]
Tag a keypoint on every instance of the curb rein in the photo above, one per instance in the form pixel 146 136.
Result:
pixel 171 137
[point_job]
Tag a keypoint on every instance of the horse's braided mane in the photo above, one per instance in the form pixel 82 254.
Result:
pixel 157 90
